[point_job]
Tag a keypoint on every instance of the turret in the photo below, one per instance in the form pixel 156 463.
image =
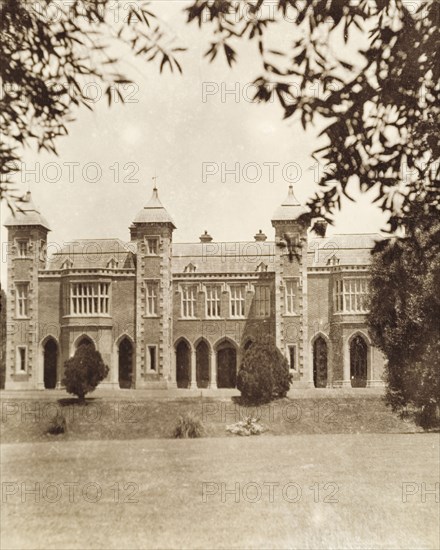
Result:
pixel 291 284
pixel 152 231
pixel 27 245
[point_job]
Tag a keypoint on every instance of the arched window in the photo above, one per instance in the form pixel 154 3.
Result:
pixel 85 341
pixel 320 353
pixel 50 363
pixel 226 365
pixel 183 364
pixel 358 362
pixel 125 363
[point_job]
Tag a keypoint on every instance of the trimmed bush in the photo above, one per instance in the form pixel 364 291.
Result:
pixel 189 426
pixel 264 373
pixel 84 371
pixel 58 425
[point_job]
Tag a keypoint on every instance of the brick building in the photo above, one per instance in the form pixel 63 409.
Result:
pixel 167 314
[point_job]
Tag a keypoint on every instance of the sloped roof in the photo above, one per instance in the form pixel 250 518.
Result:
pixel 349 249
pixel 243 257
pixel 223 257
pixel 93 254
pixel 27 215
pixel 290 208
pixel 154 212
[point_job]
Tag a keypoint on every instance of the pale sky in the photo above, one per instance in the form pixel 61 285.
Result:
pixel 190 132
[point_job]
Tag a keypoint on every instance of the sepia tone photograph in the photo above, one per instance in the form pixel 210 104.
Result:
pixel 220 274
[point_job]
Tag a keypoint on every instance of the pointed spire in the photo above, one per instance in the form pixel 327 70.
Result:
pixel 27 214
pixel 290 208
pixel 154 211
pixel 291 200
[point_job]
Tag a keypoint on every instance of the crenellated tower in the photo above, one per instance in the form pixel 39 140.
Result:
pixel 27 245
pixel 152 231
pixel 291 285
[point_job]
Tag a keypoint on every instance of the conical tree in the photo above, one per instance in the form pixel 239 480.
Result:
pixel 84 371
pixel 264 372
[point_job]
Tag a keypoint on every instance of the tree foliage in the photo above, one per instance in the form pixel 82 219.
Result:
pixel 84 371
pixel 366 70
pixel 404 316
pixel 49 51
pixel 264 373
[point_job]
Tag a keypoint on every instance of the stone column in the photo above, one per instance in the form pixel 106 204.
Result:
pixel 346 382
pixel 172 378
pixel 114 376
pixel 192 372
pixel 212 371
pixel 40 368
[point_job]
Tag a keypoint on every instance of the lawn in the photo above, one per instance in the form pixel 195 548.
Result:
pixel 299 491
pixel 106 418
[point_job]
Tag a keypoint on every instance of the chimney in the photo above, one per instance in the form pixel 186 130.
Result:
pixel 260 236
pixel 205 238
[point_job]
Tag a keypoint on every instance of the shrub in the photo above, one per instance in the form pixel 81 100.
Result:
pixel 58 425
pixel 84 371
pixel 264 373
pixel 189 426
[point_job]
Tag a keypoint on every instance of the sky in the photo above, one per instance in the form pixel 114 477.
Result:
pixel 192 131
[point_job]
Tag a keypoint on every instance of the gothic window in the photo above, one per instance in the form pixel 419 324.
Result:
pixel 237 300
pixel 152 246
pixel 152 358
pixel 290 294
pixel 88 299
pixel 350 295
pixel 22 248
pixel 212 301
pixel 21 361
pixel 189 301
pixel 292 357
pixel 262 301
pixel 22 305
pixel 151 299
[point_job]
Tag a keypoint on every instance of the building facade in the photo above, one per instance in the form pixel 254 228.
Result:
pixel 165 314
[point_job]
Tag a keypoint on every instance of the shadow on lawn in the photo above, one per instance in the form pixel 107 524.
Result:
pixel 68 401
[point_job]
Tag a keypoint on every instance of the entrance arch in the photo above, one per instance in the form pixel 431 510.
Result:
pixel 183 364
pixel 358 362
pixel 320 359
pixel 226 365
pixel 125 363
pixel 202 364
pixel 84 341
pixel 50 362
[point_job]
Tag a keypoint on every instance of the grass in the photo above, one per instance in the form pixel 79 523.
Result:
pixel 364 472
pixel 112 419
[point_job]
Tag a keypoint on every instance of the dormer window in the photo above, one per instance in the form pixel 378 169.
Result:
pixel 333 260
pixel 190 268
pixel 261 267
pixel 152 246
pixel 22 248
pixel 112 264
pixel 67 264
